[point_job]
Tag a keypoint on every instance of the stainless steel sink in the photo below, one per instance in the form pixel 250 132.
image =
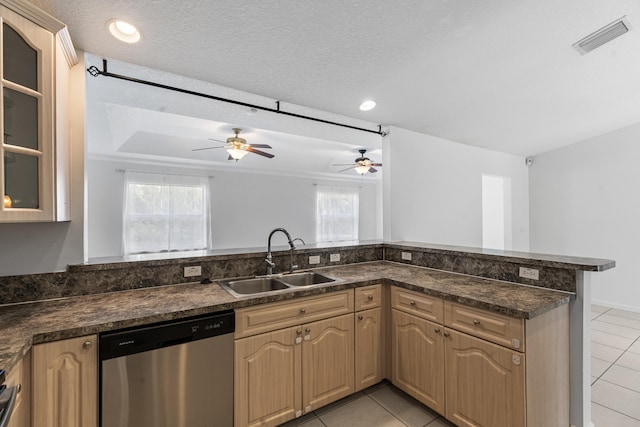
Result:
pixel 269 284
pixel 306 278
pixel 256 285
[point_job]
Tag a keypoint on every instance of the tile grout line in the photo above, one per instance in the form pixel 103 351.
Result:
pixel 618 412
pixel 391 413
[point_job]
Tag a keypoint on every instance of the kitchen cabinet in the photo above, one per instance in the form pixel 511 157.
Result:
pixel 36 56
pixel 485 383
pixel 417 357
pixel 470 364
pixel 65 383
pixel 21 375
pixel 327 361
pixel 283 371
pixel 368 336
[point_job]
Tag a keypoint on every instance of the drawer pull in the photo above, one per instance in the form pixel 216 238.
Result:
pixel 413 303
pixel 360 317
pixel 370 297
pixel 476 322
pixel 87 344
pixel 446 334
pixel 303 311
pixel 307 330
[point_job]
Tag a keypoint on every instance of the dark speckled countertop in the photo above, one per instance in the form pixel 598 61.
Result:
pixel 23 325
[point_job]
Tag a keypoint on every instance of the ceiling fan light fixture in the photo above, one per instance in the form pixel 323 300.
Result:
pixel 362 169
pixel 368 105
pixel 236 153
pixel 124 31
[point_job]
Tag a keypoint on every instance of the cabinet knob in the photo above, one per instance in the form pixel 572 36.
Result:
pixel 307 330
pixel 413 303
pixel 446 334
pixel 436 330
pixel 87 344
pixel 298 332
pixel 360 317
pixel 476 322
pixel 303 311
pixel 370 297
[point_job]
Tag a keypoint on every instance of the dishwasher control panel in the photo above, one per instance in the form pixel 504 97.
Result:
pixel 125 342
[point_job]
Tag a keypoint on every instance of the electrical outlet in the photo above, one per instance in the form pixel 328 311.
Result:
pixel 406 256
pixel 529 273
pixel 193 271
pixel 334 257
pixel 314 259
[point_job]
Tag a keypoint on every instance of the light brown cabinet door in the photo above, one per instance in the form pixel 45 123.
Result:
pixel 21 375
pixel 65 383
pixel 267 385
pixel 327 361
pixel 485 383
pixel 368 356
pixel 417 361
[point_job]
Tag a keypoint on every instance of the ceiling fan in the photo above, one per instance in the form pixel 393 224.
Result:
pixel 238 147
pixel 362 164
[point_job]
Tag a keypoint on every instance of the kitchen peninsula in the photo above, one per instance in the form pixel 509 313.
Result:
pixel 90 299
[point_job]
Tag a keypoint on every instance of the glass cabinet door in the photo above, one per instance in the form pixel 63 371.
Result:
pixel 27 119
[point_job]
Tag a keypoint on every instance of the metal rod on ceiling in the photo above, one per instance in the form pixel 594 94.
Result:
pixel 95 72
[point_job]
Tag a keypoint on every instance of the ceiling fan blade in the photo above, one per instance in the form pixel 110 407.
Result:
pixel 373 170
pixel 376 164
pixel 213 139
pixel 345 169
pixel 261 153
pixel 259 145
pixel 230 158
pixel 207 148
pixel 343 164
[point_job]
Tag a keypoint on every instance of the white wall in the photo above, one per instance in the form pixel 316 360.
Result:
pixel 245 206
pixel 433 190
pixel 48 247
pixel 585 201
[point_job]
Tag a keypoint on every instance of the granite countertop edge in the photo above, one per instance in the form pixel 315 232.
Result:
pixel 35 323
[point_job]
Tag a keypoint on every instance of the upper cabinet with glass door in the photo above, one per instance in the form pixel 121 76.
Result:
pixel 34 148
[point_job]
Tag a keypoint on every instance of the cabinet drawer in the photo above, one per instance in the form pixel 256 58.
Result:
pixel 498 328
pixel 278 315
pixel 424 306
pixel 368 297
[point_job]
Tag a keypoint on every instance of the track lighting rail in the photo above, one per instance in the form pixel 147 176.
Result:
pixel 95 72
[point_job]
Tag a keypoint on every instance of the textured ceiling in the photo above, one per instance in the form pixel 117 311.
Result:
pixel 499 74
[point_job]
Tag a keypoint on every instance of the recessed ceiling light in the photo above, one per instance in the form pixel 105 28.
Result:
pixel 368 105
pixel 124 31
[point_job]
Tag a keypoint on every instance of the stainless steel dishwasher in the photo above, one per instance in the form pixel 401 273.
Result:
pixel 177 374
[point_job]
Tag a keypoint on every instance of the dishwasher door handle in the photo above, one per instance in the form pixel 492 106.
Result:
pixel 7 400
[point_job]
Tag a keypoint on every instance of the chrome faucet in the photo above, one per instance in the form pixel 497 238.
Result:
pixel 269 260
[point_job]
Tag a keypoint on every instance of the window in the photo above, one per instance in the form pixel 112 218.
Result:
pixel 165 213
pixel 337 214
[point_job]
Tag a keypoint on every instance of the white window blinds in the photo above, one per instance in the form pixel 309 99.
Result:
pixel 165 213
pixel 337 214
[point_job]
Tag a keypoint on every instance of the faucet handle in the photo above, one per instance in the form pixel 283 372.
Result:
pixel 269 262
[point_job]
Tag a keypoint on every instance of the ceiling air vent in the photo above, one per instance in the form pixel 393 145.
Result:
pixel 603 35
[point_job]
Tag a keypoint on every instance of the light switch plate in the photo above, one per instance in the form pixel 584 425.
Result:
pixel 193 271
pixel 529 273
pixel 334 257
pixel 406 256
pixel 314 259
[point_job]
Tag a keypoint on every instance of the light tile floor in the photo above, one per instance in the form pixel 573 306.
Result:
pixel 615 374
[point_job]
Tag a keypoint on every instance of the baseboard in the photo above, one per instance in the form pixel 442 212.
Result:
pixel 610 304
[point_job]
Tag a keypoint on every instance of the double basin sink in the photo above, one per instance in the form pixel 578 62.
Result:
pixel 268 284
